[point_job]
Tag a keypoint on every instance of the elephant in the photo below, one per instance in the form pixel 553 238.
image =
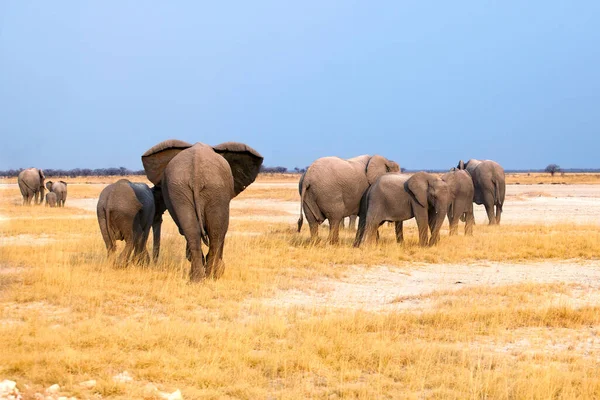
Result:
pixel 400 197
pixel 351 218
pixel 31 184
pixel 198 182
pixel 461 189
pixel 332 188
pixel 490 186
pixel 51 199
pixel 126 211
pixel 60 188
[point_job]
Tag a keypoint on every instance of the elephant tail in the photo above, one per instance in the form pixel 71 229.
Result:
pixel 310 203
pixel 301 218
pixel 198 205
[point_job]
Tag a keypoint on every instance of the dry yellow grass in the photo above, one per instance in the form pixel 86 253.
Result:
pixel 68 316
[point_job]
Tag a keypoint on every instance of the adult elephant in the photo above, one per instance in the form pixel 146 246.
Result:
pixel 490 186
pixel 351 218
pixel 60 188
pixel 332 188
pixel 399 197
pixel 126 211
pixel 461 190
pixel 198 182
pixel 31 184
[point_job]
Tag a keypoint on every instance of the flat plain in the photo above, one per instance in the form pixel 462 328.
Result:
pixel 512 312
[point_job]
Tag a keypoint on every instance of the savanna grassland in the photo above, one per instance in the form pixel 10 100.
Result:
pixel 512 312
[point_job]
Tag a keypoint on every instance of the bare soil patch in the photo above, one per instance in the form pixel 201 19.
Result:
pixel 387 288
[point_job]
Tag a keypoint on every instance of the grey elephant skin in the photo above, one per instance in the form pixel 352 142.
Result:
pixel 31 184
pixel 126 211
pixel 462 191
pixel 399 197
pixel 351 219
pixel 198 182
pixel 490 186
pixel 51 199
pixel 60 188
pixel 332 188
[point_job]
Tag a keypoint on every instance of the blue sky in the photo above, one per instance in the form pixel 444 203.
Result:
pixel 95 84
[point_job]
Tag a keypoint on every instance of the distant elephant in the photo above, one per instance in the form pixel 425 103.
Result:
pixel 31 184
pixel 198 182
pixel 490 186
pixel 126 211
pixel 60 188
pixel 351 218
pixel 461 189
pixel 332 188
pixel 399 197
pixel 51 199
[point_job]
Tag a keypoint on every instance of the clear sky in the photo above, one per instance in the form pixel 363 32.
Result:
pixel 91 84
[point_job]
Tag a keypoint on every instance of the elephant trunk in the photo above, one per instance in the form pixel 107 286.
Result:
pixel 436 222
pixel 42 189
pixel 156 227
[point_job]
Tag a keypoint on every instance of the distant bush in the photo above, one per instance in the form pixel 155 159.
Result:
pixel 279 170
pixel 72 173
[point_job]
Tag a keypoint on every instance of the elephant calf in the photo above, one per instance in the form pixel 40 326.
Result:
pixel 60 188
pixel 51 199
pixel 399 197
pixel 126 211
pixel 461 189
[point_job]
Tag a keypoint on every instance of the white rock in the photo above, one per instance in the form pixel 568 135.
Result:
pixel 123 377
pixel 88 384
pixel 176 395
pixel 7 386
pixel 53 389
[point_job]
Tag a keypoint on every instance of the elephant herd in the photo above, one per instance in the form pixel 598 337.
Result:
pixel 31 184
pixel 372 188
pixel 196 183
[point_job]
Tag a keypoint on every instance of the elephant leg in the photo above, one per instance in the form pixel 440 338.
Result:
pixel 110 244
pixel 488 203
pixel 313 224
pixel 352 222
pixel 422 224
pixel 217 224
pixel 470 221
pixel 125 255
pixel 399 231
pixel 342 224
pixel 334 231
pixel 453 222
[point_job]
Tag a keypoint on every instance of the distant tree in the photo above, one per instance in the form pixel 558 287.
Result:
pixel 552 169
pixel 402 169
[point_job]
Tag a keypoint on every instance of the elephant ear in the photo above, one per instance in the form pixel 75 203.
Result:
pixel 418 186
pixel 461 164
pixel 49 185
pixel 63 182
pixel 244 162
pixel 376 167
pixel 156 159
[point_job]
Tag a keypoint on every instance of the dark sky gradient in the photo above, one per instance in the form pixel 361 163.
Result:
pixel 95 84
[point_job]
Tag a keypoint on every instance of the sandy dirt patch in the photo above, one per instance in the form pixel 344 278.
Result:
pixel 386 288
pixel 26 240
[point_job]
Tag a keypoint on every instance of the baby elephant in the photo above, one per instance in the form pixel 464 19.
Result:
pixel 126 211
pixel 397 198
pixel 51 199
pixel 60 188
